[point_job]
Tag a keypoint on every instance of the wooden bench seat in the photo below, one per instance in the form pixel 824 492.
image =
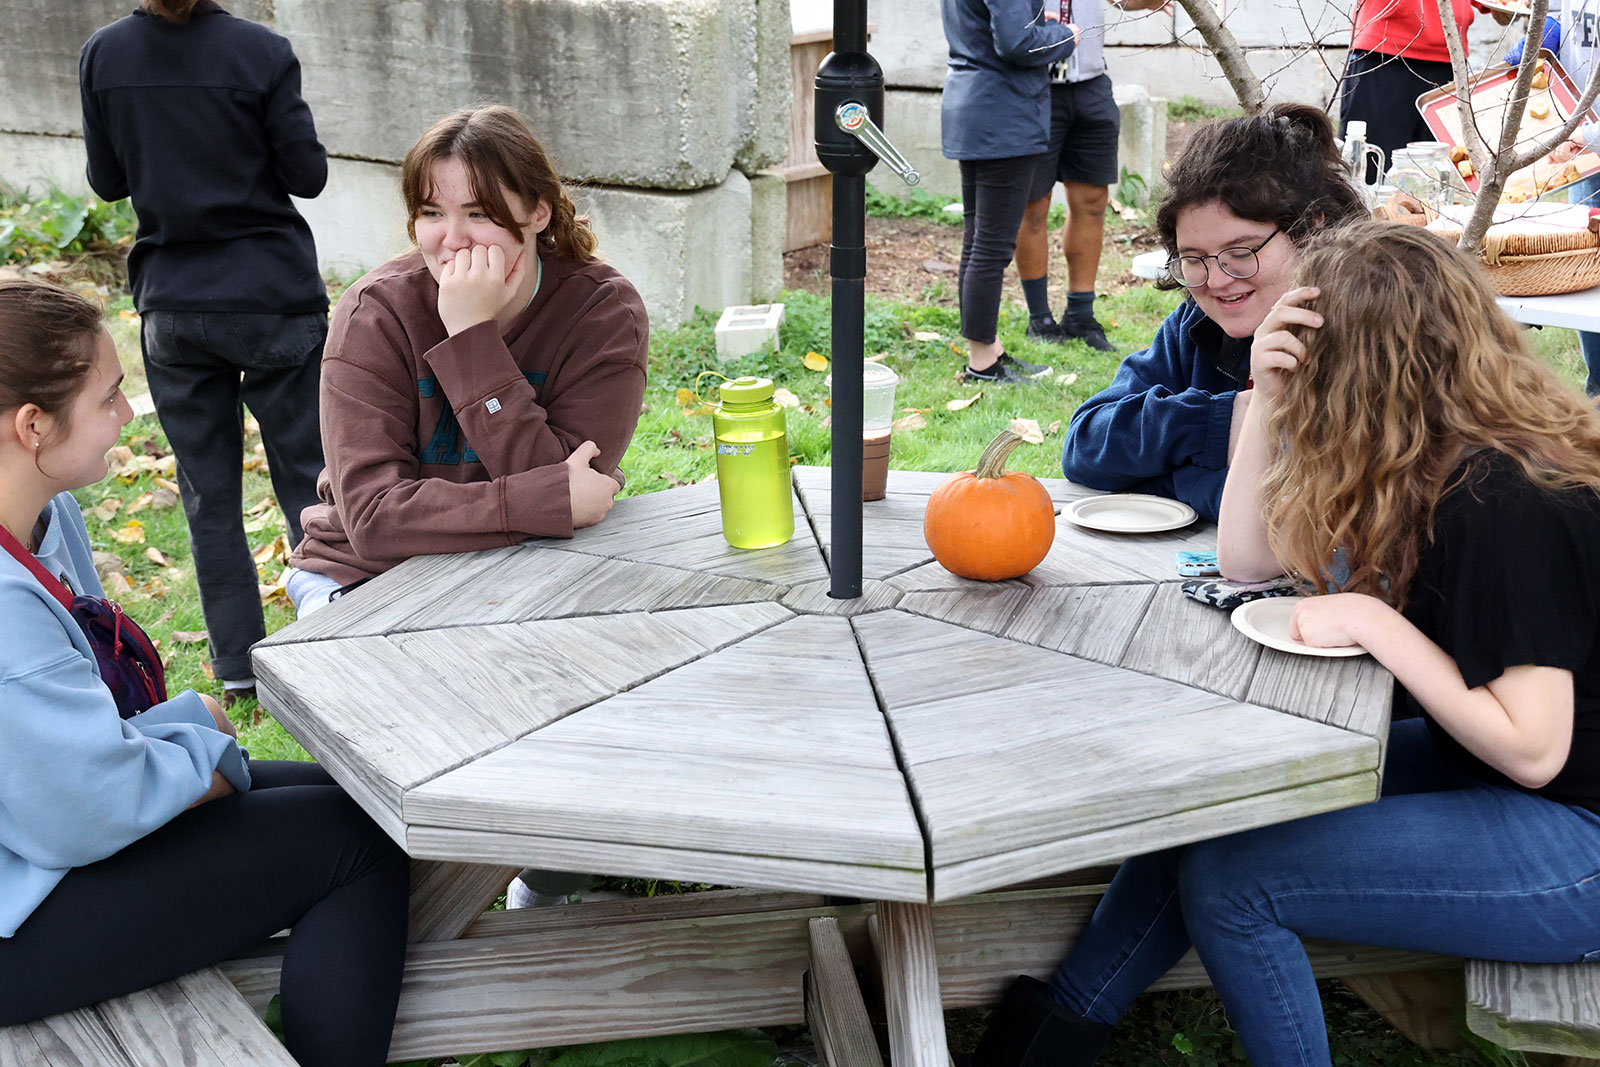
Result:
pixel 199 1020
pixel 1536 1007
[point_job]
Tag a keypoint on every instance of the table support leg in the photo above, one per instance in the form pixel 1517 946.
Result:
pixel 834 1008
pixel 446 898
pixel 903 936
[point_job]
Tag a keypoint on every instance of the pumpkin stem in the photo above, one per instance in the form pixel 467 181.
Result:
pixel 992 464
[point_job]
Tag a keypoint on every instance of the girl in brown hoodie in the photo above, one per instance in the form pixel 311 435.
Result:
pixel 481 388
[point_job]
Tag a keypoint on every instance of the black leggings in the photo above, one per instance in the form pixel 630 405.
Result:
pixel 219 879
pixel 994 193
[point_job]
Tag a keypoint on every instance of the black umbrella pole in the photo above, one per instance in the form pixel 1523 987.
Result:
pixel 848 267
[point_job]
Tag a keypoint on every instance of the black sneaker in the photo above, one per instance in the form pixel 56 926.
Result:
pixel 1046 329
pixel 1022 366
pixel 1087 330
pixel 1001 373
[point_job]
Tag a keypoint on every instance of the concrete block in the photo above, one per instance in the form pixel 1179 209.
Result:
pixel 747 328
pixel 909 43
pixel 911 119
pixel 766 115
pixel 1277 23
pixel 769 219
pixel 1142 143
pixel 681 249
pixel 33 163
pixel 359 220
pixel 654 93
pixel 1289 74
pixel 1150 28
pixel 39 58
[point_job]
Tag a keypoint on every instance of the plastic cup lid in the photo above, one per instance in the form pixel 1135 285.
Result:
pixel 747 390
pixel 872 374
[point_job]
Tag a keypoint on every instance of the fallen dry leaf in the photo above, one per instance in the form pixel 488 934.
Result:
pixel 261 505
pixel 814 361
pixel 785 398
pixel 686 395
pixel 1069 379
pixel 1028 430
pixel 140 502
pixel 1050 431
pixel 827 421
pixel 107 508
pixel 277 548
pixel 121 461
pixel 116 584
pixel 162 499
pixel 205 669
pixel 155 588
pixel 156 556
pixel 190 637
pixel 167 484
pixel 906 423
pixel 130 534
pixel 128 315
pixel 876 357
pixel 926 335
pixel 963 404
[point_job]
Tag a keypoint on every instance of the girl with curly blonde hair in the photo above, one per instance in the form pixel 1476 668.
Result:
pixel 1404 443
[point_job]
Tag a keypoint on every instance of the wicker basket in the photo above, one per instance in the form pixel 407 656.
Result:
pixel 1538 264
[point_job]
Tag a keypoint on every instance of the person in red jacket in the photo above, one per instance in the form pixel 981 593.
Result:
pixel 1397 53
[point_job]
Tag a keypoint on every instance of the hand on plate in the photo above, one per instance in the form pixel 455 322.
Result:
pixel 475 285
pixel 1276 352
pixel 1566 151
pixel 1333 621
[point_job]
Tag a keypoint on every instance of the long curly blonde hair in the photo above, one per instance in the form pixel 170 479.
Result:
pixel 1414 370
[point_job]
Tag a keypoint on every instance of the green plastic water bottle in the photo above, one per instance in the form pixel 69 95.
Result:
pixel 753 465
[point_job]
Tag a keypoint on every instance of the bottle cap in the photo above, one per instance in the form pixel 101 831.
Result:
pixel 747 390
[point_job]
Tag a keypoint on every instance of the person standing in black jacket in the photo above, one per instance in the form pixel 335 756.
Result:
pixel 197 116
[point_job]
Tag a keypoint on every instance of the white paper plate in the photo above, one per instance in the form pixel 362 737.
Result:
pixel 1267 622
pixel 1129 513
pixel 1506 9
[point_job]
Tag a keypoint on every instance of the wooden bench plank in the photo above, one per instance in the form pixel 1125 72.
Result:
pixel 1536 1007
pixel 834 1006
pixel 589 972
pixel 197 1020
pixel 903 936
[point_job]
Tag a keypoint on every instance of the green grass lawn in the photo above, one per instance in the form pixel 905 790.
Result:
pixel 673 446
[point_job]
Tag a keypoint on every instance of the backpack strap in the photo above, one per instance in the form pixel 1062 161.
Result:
pixel 46 579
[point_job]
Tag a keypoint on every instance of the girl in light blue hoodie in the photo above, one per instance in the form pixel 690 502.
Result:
pixel 133 851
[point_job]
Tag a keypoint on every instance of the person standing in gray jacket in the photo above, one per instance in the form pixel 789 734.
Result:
pixel 995 122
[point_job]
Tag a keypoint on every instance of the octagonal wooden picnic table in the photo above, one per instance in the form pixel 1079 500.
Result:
pixel 645 700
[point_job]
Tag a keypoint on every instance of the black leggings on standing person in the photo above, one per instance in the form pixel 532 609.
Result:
pixel 219 879
pixel 1381 90
pixel 994 194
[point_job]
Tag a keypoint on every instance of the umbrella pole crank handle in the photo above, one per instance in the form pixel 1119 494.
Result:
pixel 852 118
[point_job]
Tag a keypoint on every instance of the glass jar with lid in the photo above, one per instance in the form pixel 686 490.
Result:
pixel 1416 169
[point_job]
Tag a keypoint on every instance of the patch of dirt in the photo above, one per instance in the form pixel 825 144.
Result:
pixel 916 261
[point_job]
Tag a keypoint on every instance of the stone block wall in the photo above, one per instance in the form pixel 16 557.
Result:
pixel 658 111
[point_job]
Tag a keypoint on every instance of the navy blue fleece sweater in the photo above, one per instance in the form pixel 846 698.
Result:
pixel 1162 424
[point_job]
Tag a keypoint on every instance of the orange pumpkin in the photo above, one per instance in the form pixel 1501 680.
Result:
pixel 991 523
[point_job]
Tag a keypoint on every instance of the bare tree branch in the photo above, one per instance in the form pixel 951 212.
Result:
pixel 1230 55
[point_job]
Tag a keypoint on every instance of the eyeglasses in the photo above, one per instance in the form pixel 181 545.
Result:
pixel 1192 271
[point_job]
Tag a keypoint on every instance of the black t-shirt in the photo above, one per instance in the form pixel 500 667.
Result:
pixel 1512 578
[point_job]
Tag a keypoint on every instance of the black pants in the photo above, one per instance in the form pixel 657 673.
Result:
pixel 217 880
pixel 994 194
pixel 1381 90
pixel 201 367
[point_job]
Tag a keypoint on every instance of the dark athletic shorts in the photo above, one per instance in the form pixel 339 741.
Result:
pixel 1084 123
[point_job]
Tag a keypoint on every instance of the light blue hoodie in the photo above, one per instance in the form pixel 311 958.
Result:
pixel 77 782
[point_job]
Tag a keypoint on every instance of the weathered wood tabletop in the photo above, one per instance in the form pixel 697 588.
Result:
pixel 645 700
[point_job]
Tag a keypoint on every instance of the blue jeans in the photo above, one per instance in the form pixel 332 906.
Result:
pixel 1583 191
pixel 1442 863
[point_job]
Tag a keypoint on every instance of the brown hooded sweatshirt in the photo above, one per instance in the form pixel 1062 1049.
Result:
pixel 453 444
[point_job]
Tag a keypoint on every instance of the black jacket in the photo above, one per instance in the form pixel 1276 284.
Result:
pixel 202 124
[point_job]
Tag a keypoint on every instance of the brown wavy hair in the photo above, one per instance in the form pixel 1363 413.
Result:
pixel 177 11
pixel 48 339
pixel 1280 167
pixel 1415 370
pixel 500 152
